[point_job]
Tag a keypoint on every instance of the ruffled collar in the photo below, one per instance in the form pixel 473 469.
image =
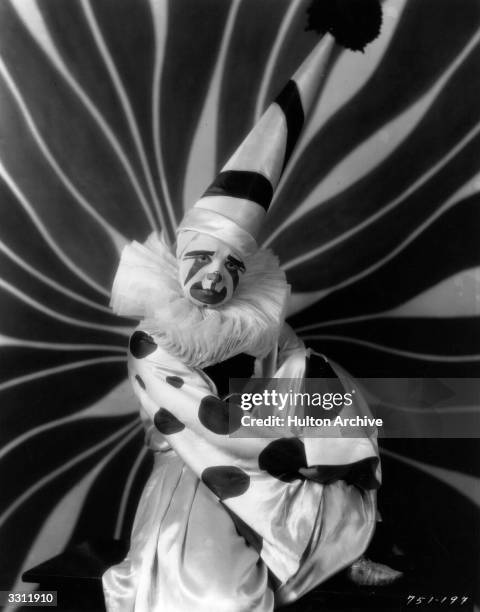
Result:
pixel 146 287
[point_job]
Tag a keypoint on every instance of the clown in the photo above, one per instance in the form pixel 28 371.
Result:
pixel 231 523
pixel 210 271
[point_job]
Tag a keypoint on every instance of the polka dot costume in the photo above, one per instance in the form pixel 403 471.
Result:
pixel 263 483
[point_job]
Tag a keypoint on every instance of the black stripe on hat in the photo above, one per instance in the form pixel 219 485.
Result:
pixel 291 104
pixel 242 184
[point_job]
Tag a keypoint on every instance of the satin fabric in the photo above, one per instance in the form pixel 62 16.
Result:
pixel 186 552
pixel 203 221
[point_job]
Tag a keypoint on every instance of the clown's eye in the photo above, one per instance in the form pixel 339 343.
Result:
pixel 202 258
pixel 231 266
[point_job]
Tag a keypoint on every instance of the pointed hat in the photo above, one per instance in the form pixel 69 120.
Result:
pixel 234 206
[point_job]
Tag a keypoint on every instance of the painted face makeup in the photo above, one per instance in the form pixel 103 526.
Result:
pixel 209 271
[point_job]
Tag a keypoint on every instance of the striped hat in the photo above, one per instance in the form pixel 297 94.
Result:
pixel 233 208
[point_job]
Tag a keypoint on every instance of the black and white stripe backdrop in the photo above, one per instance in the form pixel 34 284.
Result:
pixel 115 115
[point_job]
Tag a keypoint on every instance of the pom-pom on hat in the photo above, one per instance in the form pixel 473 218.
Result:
pixel 234 206
pixel 353 23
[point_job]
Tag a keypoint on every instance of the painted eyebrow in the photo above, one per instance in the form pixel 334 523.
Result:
pixel 237 262
pixel 195 253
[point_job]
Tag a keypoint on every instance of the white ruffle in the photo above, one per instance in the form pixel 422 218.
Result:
pixel 146 287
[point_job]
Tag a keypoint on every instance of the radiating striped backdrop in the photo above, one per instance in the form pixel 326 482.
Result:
pixel 114 116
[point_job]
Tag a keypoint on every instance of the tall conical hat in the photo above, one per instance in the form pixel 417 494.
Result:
pixel 232 209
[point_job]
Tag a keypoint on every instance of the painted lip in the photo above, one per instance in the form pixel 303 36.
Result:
pixel 207 296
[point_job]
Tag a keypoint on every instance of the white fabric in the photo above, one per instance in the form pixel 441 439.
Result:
pixel 185 553
pixel 147 287
pixel 217 225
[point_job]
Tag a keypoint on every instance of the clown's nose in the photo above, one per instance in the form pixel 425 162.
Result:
pixel 211 279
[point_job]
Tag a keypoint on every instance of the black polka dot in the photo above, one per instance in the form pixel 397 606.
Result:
pixel 219 416
pixel 175 381
pixel 283 458
pixel 361 473
pixel 167 423
pixel 251 536
pixel 141 344
pixel 226 481
pixel 140 381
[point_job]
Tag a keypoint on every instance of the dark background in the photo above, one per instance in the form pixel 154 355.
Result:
pixel 114 115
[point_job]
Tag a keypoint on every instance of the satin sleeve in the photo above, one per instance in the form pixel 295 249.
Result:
pixel 288 344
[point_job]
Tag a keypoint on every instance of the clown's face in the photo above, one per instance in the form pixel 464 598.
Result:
pixel 209 271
